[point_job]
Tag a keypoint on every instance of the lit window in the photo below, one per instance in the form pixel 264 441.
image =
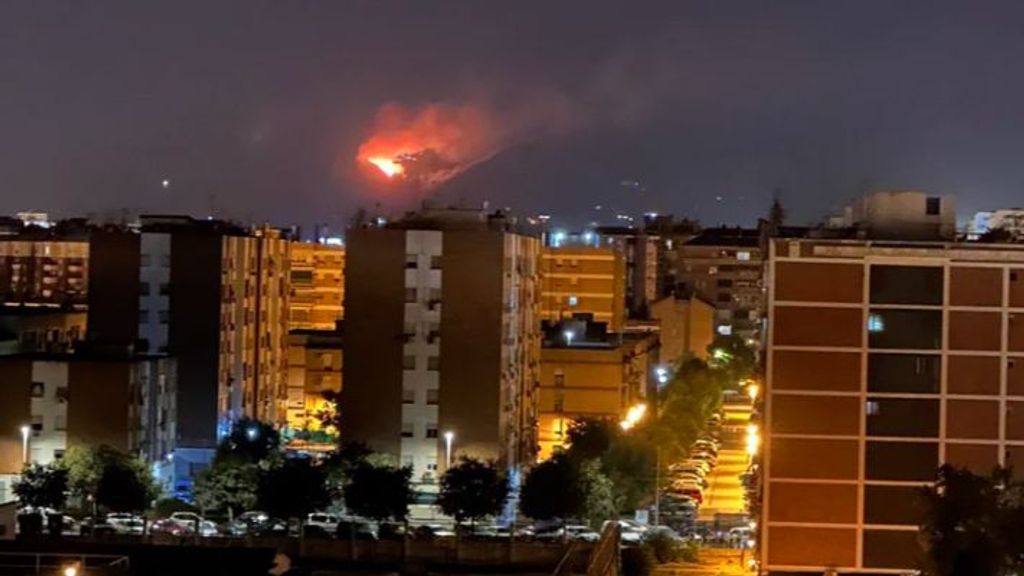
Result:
pixel 725 330
pixel 573 300
pixel 871 407
pixel 743 256
pixel 875 323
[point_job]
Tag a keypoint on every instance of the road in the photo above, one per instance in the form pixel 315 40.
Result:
pixel 725 493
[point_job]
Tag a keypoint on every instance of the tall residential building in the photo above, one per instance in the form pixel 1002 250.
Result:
pixel 583 280
pixel 641 253
pixel 80 400
pixel 724 266
pixel 442 336
pixel 591 374
pixel 884 360
pixel 317 286
pixel 215 296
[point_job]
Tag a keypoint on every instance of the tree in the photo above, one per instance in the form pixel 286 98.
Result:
pixel 329 416
pixel 84 466
pixel 293 489
pixel 684 406
pixel 249 441
pixel 590 437
pixel 961 516
pixel 776 214
pixel 472 490
pixel 379 492
pixel 230 487
pixel 598 498
pixel 629 464
pixel 735 360
pixel 125 485
pixel 552 490
pixel 42 486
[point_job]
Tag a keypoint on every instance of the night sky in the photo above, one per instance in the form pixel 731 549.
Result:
pixel 255 110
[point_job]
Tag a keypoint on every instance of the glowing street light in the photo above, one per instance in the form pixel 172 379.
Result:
pixel 633 415
pixel 752 390
pixel 24 443
pixel 753 440
pixel 71 570
pixel 662 374
pixel 449 437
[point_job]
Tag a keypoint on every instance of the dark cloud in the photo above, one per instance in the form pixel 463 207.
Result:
pixel 246 107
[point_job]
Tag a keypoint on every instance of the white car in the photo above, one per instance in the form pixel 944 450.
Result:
pixel 190 520
pixel 323 521
pixel 124 523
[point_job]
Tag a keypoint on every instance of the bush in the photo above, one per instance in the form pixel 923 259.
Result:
pixel 637 561
pixel 662 548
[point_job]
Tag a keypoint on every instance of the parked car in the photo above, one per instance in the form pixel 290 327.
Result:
pixel 256 523
pixel 356 528
pixel 123 523
pixel 574 532
pixel 629 532
pixel 168 527
pixel 321 524
pixel 193 522
pixel 694 493
pixel 430 531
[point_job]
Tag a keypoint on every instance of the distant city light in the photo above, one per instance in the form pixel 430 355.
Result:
pixel 557 238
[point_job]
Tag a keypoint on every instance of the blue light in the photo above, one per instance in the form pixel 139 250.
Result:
pixel 875 323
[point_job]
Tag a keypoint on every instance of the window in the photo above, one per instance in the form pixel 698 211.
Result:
pixel 409 362
pixel 58 454
pixel 871 407
pixel 410 295
pixel 903 417
pixel 933 205
pixel 164 316
pixel 411 261
pixel 724 283
pixel 165 288
pixel 744 256
pixel 62 394
pixel 909 461
pixel 433 363
pixel 143 288
pixel 431 430
pixel 892 505
pixel 407 429
pixel 724 298
pixel 408 396
pixel 906 285
pixel 432 466
pixel 433 395
pixel 725 330
pixel 559 402
pixel 435 262
pixel 573 301
pixel 907 329
pixel 904 373
pixel 38 389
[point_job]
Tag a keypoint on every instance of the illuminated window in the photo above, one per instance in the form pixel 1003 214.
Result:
pixel 573 300
pixel 725 330
pixel 875 323
pixel 743 256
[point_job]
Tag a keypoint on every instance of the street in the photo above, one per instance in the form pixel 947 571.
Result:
pixel 725 494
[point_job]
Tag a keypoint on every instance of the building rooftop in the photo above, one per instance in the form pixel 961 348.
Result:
pixel 726 236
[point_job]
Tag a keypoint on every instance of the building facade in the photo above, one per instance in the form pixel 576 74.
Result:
pixel 583 280
pixel 442 337
pixel 884 360
pixel 41 269
pixel 686 327
pixel 317 274
pixel 724 266
pixel 583 378
pixel 67 401
pixel 314 368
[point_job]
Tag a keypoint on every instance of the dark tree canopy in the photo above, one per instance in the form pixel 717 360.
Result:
pixel 472 490
pixel 125 486
pixel 294 489
pixel 249 441
pixel 379 492
pixel 591 437
pixel 552 490
pixel 42 486
pixel 964 524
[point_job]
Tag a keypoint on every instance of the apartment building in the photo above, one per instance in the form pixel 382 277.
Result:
pixel 885 359
pixel 214 296
pixel 586 372
pixel 317 286
pixel 64 401
pixel 686 328
pixel 724 266
pixel 583 280
pixel 42 268
pixel 641 253
pixel 314 368
pixel 442 340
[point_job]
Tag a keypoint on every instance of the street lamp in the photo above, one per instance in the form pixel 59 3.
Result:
pixel 24 443
pixel 449 437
